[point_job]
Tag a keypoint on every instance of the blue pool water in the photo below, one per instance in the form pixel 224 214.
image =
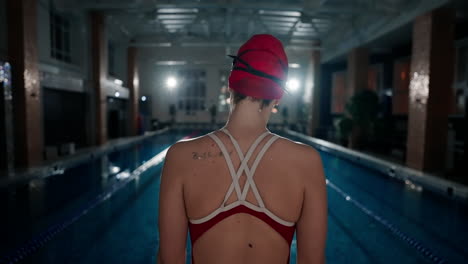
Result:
pixel 372 218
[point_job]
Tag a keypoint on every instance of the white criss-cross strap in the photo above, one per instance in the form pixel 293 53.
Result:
pixel 249 172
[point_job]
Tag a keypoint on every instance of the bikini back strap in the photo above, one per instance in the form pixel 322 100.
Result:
pixel 244 167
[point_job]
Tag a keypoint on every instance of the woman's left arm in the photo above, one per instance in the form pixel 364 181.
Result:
pixel 173 221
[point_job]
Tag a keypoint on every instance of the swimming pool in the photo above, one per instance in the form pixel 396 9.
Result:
pixel 105 211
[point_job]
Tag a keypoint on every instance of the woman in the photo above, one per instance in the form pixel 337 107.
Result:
pixel 243 191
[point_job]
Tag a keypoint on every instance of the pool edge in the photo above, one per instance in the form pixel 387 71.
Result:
pixel 393 170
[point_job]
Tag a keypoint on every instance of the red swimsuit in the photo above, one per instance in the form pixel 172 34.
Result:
pixel 199 226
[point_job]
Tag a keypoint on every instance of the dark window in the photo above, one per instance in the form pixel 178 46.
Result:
pixel 192 91
pixel 64 120
pixel 60 37
pixel 462 64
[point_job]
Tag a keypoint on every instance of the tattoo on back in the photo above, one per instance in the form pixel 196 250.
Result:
pixel 208 154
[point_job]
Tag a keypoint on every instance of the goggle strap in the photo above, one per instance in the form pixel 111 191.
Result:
pixel 253 71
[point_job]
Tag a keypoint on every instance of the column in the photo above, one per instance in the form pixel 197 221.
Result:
pixel 7 150
pixel 27 105
pixel 99 74
pixel 358 67
pixel 133 86
pixel 430 87
pixel 313 87
pixel 466 131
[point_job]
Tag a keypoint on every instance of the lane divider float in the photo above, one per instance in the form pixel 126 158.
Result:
pixel 412 242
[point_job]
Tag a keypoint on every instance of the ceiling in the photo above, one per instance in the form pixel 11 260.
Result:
pixel 298 23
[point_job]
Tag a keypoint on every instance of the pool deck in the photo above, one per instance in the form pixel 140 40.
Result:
pixel 408 175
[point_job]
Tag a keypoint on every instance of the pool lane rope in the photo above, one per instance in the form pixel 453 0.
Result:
pixel 37 242
pixel 422 249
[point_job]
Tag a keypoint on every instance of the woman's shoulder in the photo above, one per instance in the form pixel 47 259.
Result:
pixel 301 160
pixel 297 148
pixel 187 145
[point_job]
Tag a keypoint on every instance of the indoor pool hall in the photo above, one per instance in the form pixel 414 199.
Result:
pixel 334 130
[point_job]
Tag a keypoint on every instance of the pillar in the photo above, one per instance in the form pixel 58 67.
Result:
pixel 27 105
pixel 133 86
pixel 358 67
pixel 99 74
pixel 430 87
pixel 465 167
pixel 7 150
pixel 312 85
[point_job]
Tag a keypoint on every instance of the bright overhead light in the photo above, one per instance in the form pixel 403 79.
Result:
pixel 292 85
pixel 294 65
pixel 175 26
pixel 118 82
pixel 143 98
pixel 280 13
pixel 176 16
pixel 177 10
pixel 176 22
pixel 171 83
pixel 170 63
pixel 117 94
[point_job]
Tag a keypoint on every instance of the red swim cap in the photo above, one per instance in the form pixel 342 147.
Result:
pixel 260 68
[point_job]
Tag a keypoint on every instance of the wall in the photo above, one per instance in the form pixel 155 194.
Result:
pixel 66 78
pixel 76 75
pixel 78 42
pixel 120 61
pixel 3 31
pixel 119 40
pixel 153 78
pixel 213 60
pixel 73 76
pixel 326 117
pixel 119 44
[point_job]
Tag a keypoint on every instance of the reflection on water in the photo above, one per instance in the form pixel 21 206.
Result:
pixel 104 168
pixel 123 175
pixel 36 198
pixel 36 205
pixel 114 169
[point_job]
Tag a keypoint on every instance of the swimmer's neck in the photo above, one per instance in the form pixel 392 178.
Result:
pixel 246 119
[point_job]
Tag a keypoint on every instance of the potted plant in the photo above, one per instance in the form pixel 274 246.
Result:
pixel 360 117
pixel 344 127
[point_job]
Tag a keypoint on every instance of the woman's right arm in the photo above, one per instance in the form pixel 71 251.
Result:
pixel 173 222
pixel 312 225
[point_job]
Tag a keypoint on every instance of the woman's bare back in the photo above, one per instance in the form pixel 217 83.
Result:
pixel 281 179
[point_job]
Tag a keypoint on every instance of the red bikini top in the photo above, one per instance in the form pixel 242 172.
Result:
pixel 198 227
